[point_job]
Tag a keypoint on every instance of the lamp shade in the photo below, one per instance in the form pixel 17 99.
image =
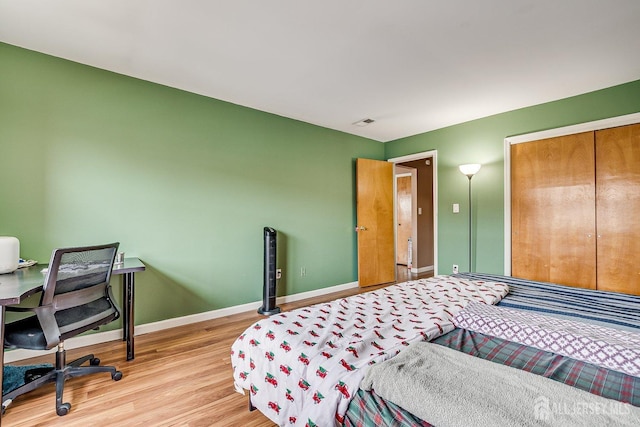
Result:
pixel 470 169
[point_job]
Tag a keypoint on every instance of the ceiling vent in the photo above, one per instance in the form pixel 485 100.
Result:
pixel 364 122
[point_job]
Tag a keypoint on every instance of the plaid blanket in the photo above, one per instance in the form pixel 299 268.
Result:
pixel 364 408
pixel 369 409
pixel 606 347
pixel 585 376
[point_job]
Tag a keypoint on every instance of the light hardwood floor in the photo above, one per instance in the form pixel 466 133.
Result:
pixel 180 377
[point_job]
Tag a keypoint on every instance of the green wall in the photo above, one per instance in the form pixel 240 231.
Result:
pixel 482 141
pixel 185 182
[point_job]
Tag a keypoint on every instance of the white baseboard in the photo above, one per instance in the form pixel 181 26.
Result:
pixel 422 269
pixel 101 337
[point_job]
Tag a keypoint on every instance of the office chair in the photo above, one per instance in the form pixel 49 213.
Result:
pixel 76 297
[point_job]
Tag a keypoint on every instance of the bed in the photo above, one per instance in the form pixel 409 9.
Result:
pixel 303 367
pixel 366 406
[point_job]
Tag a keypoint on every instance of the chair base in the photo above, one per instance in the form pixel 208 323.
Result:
pixel 59 375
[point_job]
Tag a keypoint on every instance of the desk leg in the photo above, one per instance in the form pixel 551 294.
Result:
pixel 128 282
pixel 125 312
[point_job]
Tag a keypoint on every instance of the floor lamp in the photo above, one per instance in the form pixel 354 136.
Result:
pixel 470 170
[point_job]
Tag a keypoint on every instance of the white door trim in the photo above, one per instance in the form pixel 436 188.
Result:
pixel 413 174
pixel 433 154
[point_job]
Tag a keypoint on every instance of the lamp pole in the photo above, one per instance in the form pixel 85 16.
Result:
pixel 470 207
pixel 470 170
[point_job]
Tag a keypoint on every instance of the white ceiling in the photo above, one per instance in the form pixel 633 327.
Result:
pixel 411 65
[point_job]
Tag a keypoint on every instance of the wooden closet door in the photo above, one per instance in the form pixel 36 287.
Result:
pixel 552 210
pixel 618 208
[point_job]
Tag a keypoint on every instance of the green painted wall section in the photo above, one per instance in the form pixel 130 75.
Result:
pixel 185 182
pixel 482 141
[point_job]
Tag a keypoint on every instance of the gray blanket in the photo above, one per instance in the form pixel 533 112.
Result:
pixel 449 388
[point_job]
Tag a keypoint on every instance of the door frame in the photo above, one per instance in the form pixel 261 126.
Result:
pixel 433 155
pixel 534 136
pixel 413 174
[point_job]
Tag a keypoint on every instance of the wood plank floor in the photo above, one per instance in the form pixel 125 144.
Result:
pixel 180 377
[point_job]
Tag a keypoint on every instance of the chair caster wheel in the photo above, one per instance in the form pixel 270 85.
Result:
pixel 6 404
pixel 94 361
pixel 117 376
pixel 63 409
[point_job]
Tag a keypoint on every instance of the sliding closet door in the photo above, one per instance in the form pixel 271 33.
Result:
pixel 618 208
pixel 553 235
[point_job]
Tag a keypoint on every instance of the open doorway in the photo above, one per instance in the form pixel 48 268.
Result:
pixel 405 220
pixel 415 193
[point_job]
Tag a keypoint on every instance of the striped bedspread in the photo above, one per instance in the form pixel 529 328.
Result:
pixel 610 309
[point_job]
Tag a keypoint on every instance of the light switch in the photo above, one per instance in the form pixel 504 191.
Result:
pixel 456 208
pixel 419 211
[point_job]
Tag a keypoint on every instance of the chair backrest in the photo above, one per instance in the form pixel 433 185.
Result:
pixel 76 295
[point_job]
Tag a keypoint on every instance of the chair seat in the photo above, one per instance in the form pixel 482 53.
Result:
pixel 27 333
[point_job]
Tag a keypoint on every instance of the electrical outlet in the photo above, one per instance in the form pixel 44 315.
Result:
pixel 455 268
pixel 278 273
pixel 303 271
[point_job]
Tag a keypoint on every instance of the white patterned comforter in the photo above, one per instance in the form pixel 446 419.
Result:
pixel 302 367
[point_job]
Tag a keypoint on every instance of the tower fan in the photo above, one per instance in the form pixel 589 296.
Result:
pixel 269 286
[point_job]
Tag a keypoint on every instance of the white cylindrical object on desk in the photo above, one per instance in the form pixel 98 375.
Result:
pixel 9 254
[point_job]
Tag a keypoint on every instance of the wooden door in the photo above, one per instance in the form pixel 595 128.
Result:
pixel 618 208
pixel 403 216
pixel 553 235
pixel 374 210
